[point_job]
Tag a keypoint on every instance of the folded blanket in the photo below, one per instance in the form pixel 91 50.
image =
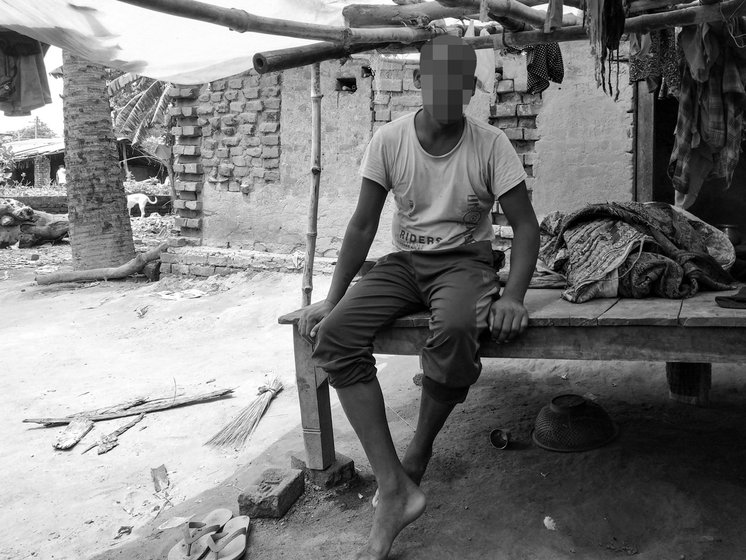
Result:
pixel 631 249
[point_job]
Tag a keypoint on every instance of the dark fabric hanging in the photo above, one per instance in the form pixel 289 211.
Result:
pixel 23 77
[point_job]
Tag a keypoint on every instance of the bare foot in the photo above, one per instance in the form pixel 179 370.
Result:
pixel 396 509
pixel 415 467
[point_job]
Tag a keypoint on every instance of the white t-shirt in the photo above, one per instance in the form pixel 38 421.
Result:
pixel 444 201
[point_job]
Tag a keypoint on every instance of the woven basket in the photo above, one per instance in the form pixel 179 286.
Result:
pixel 571 423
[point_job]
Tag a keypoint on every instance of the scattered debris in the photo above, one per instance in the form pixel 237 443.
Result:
pixel 174 522
pixel 190 293
pixel 240 428
pixel 109 442
pixel 550 523
pixel 615 546
pixel 133 408
pixel 417 379
pixel 73 433
pixel 124 530
pixel 160 478
pixel 142 311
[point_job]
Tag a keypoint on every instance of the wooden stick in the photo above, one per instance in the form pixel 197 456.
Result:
pixel 108 442
pixel 313 210
pixel 282 59
pixel 150 406
pixel 507 8
pixel 640 6
pixel 376 15
pixel 130 267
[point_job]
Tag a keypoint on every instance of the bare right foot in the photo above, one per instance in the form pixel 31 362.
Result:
pixel 396 509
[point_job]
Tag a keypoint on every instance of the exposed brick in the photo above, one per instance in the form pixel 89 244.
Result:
pixel 506 122
pixel 271 115
pixel 180 222
pixel 222 153
pixel 531 97
pixel 514 133
pixel 194 223
pixel 241 171
pixel 529 110
pixel 270 152
pixel 523 146
pixel 407 100
pixel 237 106
pixel 231 95
pixel 257 172
pixel 218 85
pixel 273 103
pixel 165 268
pixel 219 260
pixel 180 268
pixel 531 134
pixel 340 471
pixel 388 84
pixel 204 270
pixel 529 158
pixel 504 110
pixel 251 93
pixel 195 205
pixel 234 186
pixel 272 91
pixel 236 83
pixel 268 127
pixel 270 139
pixel 246 129
pixel 229 120
pixel 222 107
pixel 273 494
pixel 205 109
pixel 239 160
pixel 252 141
pixel 216 97
pixel 224 270
pixel 270 79
pixel 225 169
pixel 194 258
pixel 204 97
pixel 381 98
pixel 169 258
pixel 505 86
pixel 255 152
pixel 191 186
pixel 232 140
pixel 272 163
pixel 179 204
pixel 191 131
pixel 256 105
pixel 527 122
pixel 273 176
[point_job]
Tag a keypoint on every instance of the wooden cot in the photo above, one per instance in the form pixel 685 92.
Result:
pixel 689 335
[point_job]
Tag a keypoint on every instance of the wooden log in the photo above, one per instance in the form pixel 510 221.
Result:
pixel 282 59
pixel 506 8
pixel 110 441
pixel 313 210
pixel 130 267
pixel 689 382
pixel 43 228
pixel 154 405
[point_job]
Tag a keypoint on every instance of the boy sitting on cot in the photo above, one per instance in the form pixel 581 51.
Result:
pixel 445 171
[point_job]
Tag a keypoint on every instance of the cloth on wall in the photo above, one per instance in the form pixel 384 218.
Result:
pixel 631 249
pixel 708 135
pixel 654 57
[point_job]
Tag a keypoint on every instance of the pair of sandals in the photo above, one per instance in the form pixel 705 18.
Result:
pixel 219 536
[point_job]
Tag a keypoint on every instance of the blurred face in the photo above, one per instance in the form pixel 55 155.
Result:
pixel 446 78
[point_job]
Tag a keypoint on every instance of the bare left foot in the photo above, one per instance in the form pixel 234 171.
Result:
pixel 414 465
pixel 396 509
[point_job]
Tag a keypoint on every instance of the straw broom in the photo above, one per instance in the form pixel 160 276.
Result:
pixel 242 426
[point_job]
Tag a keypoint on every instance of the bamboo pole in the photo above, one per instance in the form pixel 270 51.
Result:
pixel 376 15
pixel 313 210
pixel 282 59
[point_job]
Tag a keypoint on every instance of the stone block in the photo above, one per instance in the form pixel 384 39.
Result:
pixel 165 268
pixel 248 117
pixel 531 97
pixel 224 270
pixel 340 471
pixel 225 169
pixel 237 106
pixel 218 85
pixel 270 140
pixel 180 268
pixel 169 258
pixel 272 163
pixel 194 223
pixel 222 153
pixel 222 107
pixel 202 270
pixel 235 83
pixel 191 186
pixel 194 258
pixel 246 129
pixel 255 105
pixel 231 140
pixel 191 131
pixel 270 152
pixel 272 176
pixel 234 186
pixel 219 260
pixel 251 93
pixel 255 152
pixel 231 95
pixel 241 171
pixel 273 494
pixel 204 97
pixel 272 103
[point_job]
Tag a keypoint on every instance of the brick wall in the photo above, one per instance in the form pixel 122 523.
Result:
pixel 42 171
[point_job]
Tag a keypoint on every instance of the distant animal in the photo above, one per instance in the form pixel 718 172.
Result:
pixel 140 200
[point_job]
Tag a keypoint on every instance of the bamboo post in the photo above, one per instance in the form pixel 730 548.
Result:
pixel 313 210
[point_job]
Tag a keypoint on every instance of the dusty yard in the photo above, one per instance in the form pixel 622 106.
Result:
pixel 672 486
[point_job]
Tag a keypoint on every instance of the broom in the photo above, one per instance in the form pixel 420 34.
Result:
pixel 242 426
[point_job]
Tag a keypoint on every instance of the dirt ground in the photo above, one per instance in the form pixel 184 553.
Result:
pixel 672 486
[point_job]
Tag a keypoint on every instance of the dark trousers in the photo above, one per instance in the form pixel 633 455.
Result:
pixel 456 285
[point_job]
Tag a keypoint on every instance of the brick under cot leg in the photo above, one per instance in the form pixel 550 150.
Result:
pixel 689 382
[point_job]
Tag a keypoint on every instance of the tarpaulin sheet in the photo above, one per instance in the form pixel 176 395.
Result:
pixel 158 45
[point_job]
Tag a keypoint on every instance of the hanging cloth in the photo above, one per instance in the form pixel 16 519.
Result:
pixel 545 64
pixel 23 77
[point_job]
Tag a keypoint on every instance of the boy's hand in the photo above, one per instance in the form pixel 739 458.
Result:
pixel 507 319
pixel 311 317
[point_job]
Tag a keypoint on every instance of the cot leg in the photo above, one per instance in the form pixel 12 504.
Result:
pixel 689 382
pixel 315 410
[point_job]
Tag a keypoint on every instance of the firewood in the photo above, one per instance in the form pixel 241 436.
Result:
pixel 73 433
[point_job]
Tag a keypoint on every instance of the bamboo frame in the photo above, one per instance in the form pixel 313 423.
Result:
pixel 282 59
pixel 313 210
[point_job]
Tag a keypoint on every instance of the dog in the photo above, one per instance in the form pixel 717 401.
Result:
pixel 139 199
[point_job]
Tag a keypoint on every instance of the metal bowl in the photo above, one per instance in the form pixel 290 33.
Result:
pixel 571 423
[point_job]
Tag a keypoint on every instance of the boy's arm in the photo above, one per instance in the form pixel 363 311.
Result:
pixel 508 315
pixel 359 235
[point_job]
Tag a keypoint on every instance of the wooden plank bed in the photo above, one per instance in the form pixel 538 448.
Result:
pixel 688 335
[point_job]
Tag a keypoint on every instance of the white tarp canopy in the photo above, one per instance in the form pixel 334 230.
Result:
pixel 158 45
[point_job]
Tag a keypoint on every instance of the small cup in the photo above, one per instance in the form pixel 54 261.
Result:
pixel 499 438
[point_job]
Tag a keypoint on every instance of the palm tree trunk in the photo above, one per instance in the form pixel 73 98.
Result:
pixel 100 229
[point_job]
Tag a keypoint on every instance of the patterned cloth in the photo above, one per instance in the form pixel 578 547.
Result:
pixel 711 105
pixel 632 249
pixel 544 64
pixel 656 60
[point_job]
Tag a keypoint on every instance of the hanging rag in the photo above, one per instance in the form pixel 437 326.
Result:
pixel 605 23
pixel 654 58
pixel 23 76
pixel 708 135
pixel 544 63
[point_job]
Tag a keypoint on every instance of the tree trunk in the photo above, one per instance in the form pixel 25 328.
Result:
pixel 100 230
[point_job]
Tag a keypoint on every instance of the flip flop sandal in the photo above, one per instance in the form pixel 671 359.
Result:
pixel 196 534
pixel 232 542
